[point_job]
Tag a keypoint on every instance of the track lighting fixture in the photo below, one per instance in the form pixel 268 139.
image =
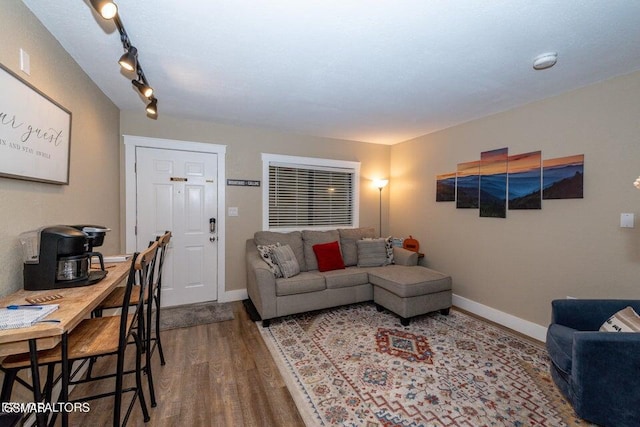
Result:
pixel 152 108
pixel 129 60
pixel 106 8
pixel 144 89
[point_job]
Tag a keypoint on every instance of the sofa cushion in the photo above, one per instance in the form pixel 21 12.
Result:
pixel 265 254
pixel 351 276
pixel 286 260
pixel 625 320
pixel 372 253
pixel 302 283
pixel 560 346
pixel 405 281
pixel 328 256
pixel 348 239
pixel 293 239
pixel 313 237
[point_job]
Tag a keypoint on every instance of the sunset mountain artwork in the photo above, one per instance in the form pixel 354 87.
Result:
pixel 562 178
pixel 468 185
pixel 525 181
pixel 493 183
pixel 520 181
pixel 446 187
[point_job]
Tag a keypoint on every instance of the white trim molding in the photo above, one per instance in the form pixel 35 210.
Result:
pixel 131 142
pixel 525 327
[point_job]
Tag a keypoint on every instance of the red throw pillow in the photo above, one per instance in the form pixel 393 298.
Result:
pixel 328 256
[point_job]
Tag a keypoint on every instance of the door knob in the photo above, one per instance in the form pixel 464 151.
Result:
pixel 212 239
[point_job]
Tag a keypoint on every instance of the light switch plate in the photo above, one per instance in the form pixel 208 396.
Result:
pixel 626 220
pixel 233 211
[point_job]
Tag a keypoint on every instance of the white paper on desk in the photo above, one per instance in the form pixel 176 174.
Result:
pixel 24 317
pixel 115 258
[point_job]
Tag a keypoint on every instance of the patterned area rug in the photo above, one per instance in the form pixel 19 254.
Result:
pixel 354 366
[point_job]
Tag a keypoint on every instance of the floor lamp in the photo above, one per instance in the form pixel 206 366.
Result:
pixel 380 183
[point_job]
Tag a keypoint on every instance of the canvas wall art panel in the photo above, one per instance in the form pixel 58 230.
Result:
pixel 562 177
pixel 493 183
pixel 525 181
pixel 468 185
pixel 446 187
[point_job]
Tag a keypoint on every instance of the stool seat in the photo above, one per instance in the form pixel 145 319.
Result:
pixel 410 291
pixel 409 281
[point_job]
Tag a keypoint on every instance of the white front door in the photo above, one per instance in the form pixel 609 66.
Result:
pixel 177 191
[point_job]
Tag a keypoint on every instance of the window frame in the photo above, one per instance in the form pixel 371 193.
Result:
pixel 294 161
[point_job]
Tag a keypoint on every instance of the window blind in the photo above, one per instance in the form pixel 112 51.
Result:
pixel 308 196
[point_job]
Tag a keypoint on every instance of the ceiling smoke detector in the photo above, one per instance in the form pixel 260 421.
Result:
pixel 544 61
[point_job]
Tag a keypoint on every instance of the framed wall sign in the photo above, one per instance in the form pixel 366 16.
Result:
pixel 35 133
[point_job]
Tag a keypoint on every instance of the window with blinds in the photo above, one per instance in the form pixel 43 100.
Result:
pixel 310 196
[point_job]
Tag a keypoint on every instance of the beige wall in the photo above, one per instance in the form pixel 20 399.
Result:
pixel 570 247
pixel 92 195
pixel 243 161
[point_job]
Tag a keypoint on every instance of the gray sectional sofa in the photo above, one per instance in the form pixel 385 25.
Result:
pixel 402 287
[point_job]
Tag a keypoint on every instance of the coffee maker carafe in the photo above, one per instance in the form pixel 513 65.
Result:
pixel 56 257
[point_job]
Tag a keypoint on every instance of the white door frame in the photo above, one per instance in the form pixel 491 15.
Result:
pixel 131 142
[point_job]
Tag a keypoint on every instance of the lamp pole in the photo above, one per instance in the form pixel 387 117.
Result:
pixel 380 212
pixel 380 183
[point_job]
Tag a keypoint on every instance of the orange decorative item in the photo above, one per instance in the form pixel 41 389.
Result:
pixel 411 244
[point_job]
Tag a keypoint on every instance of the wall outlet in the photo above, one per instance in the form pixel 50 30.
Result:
pixel 626 220
pixel 568 297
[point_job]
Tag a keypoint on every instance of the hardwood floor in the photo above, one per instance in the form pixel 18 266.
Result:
pixel 220 374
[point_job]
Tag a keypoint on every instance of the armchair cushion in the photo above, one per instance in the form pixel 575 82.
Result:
pixel 560 346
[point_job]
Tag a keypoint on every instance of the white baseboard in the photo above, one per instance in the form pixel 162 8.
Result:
pixel 237 295
pixel 525 327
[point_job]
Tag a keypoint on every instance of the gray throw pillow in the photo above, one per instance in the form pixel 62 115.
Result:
pixel 286 260
pixel 293 239
pixel 348 239
pixel 372 253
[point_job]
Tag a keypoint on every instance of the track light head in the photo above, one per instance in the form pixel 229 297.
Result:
pixel 129 61
pixel 152 108
pixel 106 8
pixel 143 88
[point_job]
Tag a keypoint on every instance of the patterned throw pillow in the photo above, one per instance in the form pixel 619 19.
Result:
pixel 626 320
pixel 286 260
pixel 265 253
pixel 389 244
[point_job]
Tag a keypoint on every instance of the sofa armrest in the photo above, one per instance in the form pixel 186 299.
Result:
pixel 403 256
pixel 261 283
pixel 604 376
pixel 587 314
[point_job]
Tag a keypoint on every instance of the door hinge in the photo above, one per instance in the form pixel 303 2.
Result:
pixel 135 230
pixel 135 168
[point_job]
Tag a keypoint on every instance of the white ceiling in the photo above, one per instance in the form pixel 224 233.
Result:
pixel 379 71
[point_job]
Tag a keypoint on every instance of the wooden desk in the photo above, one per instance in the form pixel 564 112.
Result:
pixel 75 305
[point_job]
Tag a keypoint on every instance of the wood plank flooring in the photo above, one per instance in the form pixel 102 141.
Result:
pixel 220 374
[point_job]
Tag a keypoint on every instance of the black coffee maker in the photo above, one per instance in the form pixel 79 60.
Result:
pixel 95 238
pixel 57 257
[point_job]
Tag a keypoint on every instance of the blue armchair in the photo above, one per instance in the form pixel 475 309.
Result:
pixel 598 372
